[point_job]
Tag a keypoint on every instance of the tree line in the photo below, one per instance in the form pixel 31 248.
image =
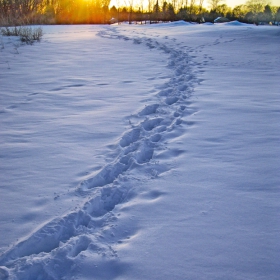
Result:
pixel 22 12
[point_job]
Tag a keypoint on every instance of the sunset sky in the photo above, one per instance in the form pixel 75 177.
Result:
pixel 233 3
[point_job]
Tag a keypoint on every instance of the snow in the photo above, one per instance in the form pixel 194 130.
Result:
pixel 141 152
pixel 235 23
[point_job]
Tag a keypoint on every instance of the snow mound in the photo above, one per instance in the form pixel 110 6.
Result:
pixel 235 23
pixel 176 23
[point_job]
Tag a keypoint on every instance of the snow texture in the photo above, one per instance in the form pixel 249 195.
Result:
pixel 141 152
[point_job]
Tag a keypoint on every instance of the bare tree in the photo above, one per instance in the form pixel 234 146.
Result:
pixel 239 11
pixel 191 9
pixel 151 4
pixel 257 6
pixel 223 10
pixel 105 7
pixel 129 3
pixel 214 4
pixel 118 9
pixel 200 5
pixel 175 5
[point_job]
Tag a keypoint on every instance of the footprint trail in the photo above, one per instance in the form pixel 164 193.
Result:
pixel 53 251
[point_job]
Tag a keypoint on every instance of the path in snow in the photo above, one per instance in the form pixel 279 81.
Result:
pixel 190 189
pixel 218 215
pixel 51 251
pixel 62 117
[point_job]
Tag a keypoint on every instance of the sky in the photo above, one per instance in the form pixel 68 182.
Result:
pixel 233 3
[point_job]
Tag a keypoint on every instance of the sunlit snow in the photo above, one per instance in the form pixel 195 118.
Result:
pixel 141 152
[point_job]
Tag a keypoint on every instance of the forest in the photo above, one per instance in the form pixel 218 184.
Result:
pixel 28 12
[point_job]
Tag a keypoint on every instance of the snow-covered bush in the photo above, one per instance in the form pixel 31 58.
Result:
pixel 27 35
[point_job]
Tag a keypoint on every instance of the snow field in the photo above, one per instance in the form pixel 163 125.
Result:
pixel 48 114
pixel 225 226
pixel 136 148
pixel 189 189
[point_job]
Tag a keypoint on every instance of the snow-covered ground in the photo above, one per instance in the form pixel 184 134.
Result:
pixel 141 152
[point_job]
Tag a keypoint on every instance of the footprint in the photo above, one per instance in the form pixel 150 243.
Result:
pixel 155 138
pixel 144 154
pixel 137 41
pixel 148 110
pixel 178 121
pixel 80 245
pixel 106 176
pixel 165 92
pixel 183 87
pixel 171 100
pixel 130 137
pixel 150 124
